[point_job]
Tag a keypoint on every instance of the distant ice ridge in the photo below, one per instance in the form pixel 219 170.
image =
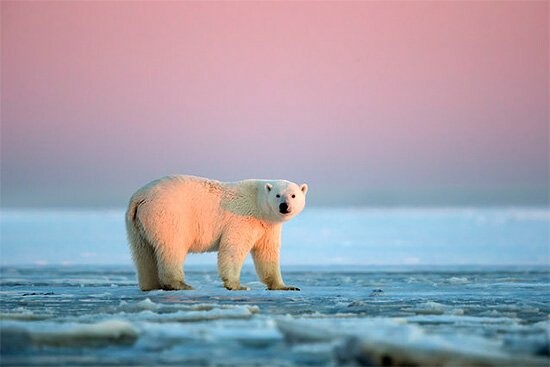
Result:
pixel 319 236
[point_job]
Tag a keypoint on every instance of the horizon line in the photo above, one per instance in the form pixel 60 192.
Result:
pixel 541 206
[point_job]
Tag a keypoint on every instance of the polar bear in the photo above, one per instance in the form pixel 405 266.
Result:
pixel 175 215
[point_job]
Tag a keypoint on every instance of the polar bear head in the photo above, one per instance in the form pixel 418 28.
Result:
pixel 283 200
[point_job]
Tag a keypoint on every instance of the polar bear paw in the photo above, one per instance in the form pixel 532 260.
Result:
pixel 235 287
pixel 284 288
pixel 177 286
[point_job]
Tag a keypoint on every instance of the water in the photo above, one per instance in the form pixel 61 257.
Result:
pixel 84 315
pixel 68 294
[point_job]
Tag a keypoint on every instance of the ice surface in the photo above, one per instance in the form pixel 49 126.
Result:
pixel 499 317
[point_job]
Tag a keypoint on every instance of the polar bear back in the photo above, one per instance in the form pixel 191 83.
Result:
pixel 191 209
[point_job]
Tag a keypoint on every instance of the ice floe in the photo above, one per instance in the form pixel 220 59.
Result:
pixel 71 334
pixel 388 341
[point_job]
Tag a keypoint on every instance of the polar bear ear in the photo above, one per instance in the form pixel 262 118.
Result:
pixel 304 188
pixel 268 187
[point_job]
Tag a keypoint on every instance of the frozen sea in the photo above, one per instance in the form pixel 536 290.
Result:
pixel 378 287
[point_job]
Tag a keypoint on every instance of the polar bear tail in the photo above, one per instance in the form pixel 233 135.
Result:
pixel 143 252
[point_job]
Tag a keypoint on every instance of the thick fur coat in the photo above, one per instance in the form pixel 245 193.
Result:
pixel 175 215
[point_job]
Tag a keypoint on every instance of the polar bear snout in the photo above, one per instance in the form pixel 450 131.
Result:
pixel 283 208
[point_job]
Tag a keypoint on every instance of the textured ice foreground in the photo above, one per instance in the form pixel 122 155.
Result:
pixel 359 316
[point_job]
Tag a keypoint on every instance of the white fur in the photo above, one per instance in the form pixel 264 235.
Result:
pixel 175 215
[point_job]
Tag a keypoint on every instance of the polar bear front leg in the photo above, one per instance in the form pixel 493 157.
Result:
pixel 266 261
pixel 230 262
pixel 235 244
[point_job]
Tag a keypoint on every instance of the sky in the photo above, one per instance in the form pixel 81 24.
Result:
pixel 370 103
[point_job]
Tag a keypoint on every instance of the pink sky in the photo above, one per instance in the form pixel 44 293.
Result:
pixel 368 102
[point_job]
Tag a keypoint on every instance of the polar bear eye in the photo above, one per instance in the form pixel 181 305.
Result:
pixel 278 195
pixel 293 196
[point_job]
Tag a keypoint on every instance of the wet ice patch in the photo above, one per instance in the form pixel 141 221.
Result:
pixel 433 308
pixel 143 305
pixel 257 333
pixel 458 280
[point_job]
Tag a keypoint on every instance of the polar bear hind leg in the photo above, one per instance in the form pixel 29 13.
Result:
pixel 159 262
pixel 170 269
pixel 145 260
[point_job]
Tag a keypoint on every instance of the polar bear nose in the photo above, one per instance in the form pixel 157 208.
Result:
pixel 283 208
